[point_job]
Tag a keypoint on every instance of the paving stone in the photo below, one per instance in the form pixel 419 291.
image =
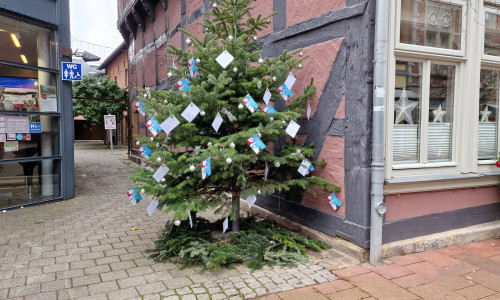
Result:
pixel 353 293
pixel 189 297
pixel 72 293
pixel 107 260
pixel 183 291
pixel 131 281
pixel 250 296
pixel 41 278
pixel 259 291
pixel 139 271
pixel 438 258
pixel 69 274
pixel 41 262
pixel 96 270
pixel 53 254
pixel 485 279
pixel 82 264
pixel 85 280
pixel 410 280
pixel 149 288
pixel 158 276
pixel 24 290
pixel 218 296
pixel 435 291
pixel 179 282
pixel 56 285
pixel 130 256
pixel 285 287
pixel 380 287
pixel 114 252
pixel 230 292
pixel 44 296
pixel 144 262
pixel 114 275
pixel 214 290
pixel 14 282
pixel 475 292
pixel 203 297
pixel 68 258
pixel 122 265
pixel 95 297
pixel 92 255
pixel 240 285
pixel 56 268
pixel 171 298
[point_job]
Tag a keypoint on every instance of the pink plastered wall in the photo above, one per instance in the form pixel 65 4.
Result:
pixel 139 67
pixel 301 10
pixel 159 19
pixel 162 62
pixel 149 71
pixel 149 31
pixel 410 205
pixel 333 153
pixel 318 66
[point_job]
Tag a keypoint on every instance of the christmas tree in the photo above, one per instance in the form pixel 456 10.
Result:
pixel 216 137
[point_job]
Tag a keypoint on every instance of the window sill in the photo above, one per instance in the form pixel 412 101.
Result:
pixel 412 184
pixel 423 166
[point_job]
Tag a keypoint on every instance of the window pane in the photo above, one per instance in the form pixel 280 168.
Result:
pixel 431 23
pixel 492 34
pixel 407 112
pixel 29 182
pixel 441 95
pixel 16 140
pixel 488 109
pixel 27 90
pixel 24 43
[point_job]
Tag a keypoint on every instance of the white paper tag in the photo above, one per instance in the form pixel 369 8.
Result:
pixel 190 112
pixel 292 129
pixel 304 168
pixel 266 170
pixel 225 224
pixel 224 59
pixel 3 138
pixel 290 81
pixel 169 124
pixel 190 219
pixel 379 91
pixel 161 172
pixel 267 96
pixel 152 207
pixel 251 200
pixel 308 111
pixel 217 122
pixel 379 108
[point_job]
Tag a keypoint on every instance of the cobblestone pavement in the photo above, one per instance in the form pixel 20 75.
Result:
pixel 84 248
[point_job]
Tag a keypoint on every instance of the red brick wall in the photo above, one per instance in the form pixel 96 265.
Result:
pixel 301 10
pixel 196 29
pixel 150 70
pixel 264 8
pixel 160 19
pixel 192 5
pixel 174 13
pixel 149 37
pixel 162 62
pixel 117 69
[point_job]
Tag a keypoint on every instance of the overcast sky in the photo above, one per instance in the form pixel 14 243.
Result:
pixel 94 21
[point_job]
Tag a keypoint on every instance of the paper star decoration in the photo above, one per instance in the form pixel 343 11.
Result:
pixel 438 115
pixel 403 108
pixel 485 114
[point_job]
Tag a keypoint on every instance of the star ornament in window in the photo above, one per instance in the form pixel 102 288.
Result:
pixel 438 115
pixel 485 114
pixel 403 108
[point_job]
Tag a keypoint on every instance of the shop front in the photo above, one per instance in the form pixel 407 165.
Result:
pixel 36 147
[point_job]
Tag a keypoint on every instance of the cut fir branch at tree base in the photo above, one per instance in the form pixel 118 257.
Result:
pixel 234 146
pixel 259 243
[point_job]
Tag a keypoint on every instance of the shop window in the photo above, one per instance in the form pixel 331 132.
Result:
pixel 27 90
pixel 28 182
pixel 488 111
pixel 25 43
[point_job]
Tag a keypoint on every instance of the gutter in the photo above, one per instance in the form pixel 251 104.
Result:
pixel 378 131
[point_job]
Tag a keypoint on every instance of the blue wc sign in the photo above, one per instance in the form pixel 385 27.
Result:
pixel 71 71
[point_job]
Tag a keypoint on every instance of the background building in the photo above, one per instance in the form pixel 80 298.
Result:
pixel 36 116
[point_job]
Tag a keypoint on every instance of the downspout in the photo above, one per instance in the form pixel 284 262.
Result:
pixel 378 131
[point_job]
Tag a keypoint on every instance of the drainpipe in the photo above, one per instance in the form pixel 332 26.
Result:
pixel 378 134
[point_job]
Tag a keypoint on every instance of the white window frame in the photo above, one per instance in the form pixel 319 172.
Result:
pixel 428 49
pixel 468 62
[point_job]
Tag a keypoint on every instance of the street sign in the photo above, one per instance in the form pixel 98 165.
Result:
pixel 109 122
pixel 35 127
pixel 71 71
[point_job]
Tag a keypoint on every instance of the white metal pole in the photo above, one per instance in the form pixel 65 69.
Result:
pixel 111 140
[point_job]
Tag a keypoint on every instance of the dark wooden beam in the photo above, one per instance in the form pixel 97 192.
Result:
pixel 138 18
pixel 131 25
pixel 164 4
pixel 149 8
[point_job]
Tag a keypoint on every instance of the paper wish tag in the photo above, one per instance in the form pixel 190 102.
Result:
pixel 134 196
pixel 224 59
pixel 250 103
pixel 190 219
pixel 206 168
pixel 256 144
pixel 144 151
pixel 183 85
pixel 169 124
pixel 308 111
pixel 153 126
pixel 290 81
pixel 190 112
pixel 266 171
pixel 285 92
pixel 217 122
pixel 292 129
pixel 251 200
pixel 193 70
pixel 305 167
pixel 225 224
pixel 334 201
pixel 267 96
pixel 139 105
pixel 161 172
pixel 152 206
pixel 269 110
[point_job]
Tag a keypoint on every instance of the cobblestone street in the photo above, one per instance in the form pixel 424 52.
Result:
pixel 83 248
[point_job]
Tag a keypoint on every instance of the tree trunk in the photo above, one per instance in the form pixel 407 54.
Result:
pixel 235 225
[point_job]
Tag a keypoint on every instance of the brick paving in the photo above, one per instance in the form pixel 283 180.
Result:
pixel 83 248
pixel 462 272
